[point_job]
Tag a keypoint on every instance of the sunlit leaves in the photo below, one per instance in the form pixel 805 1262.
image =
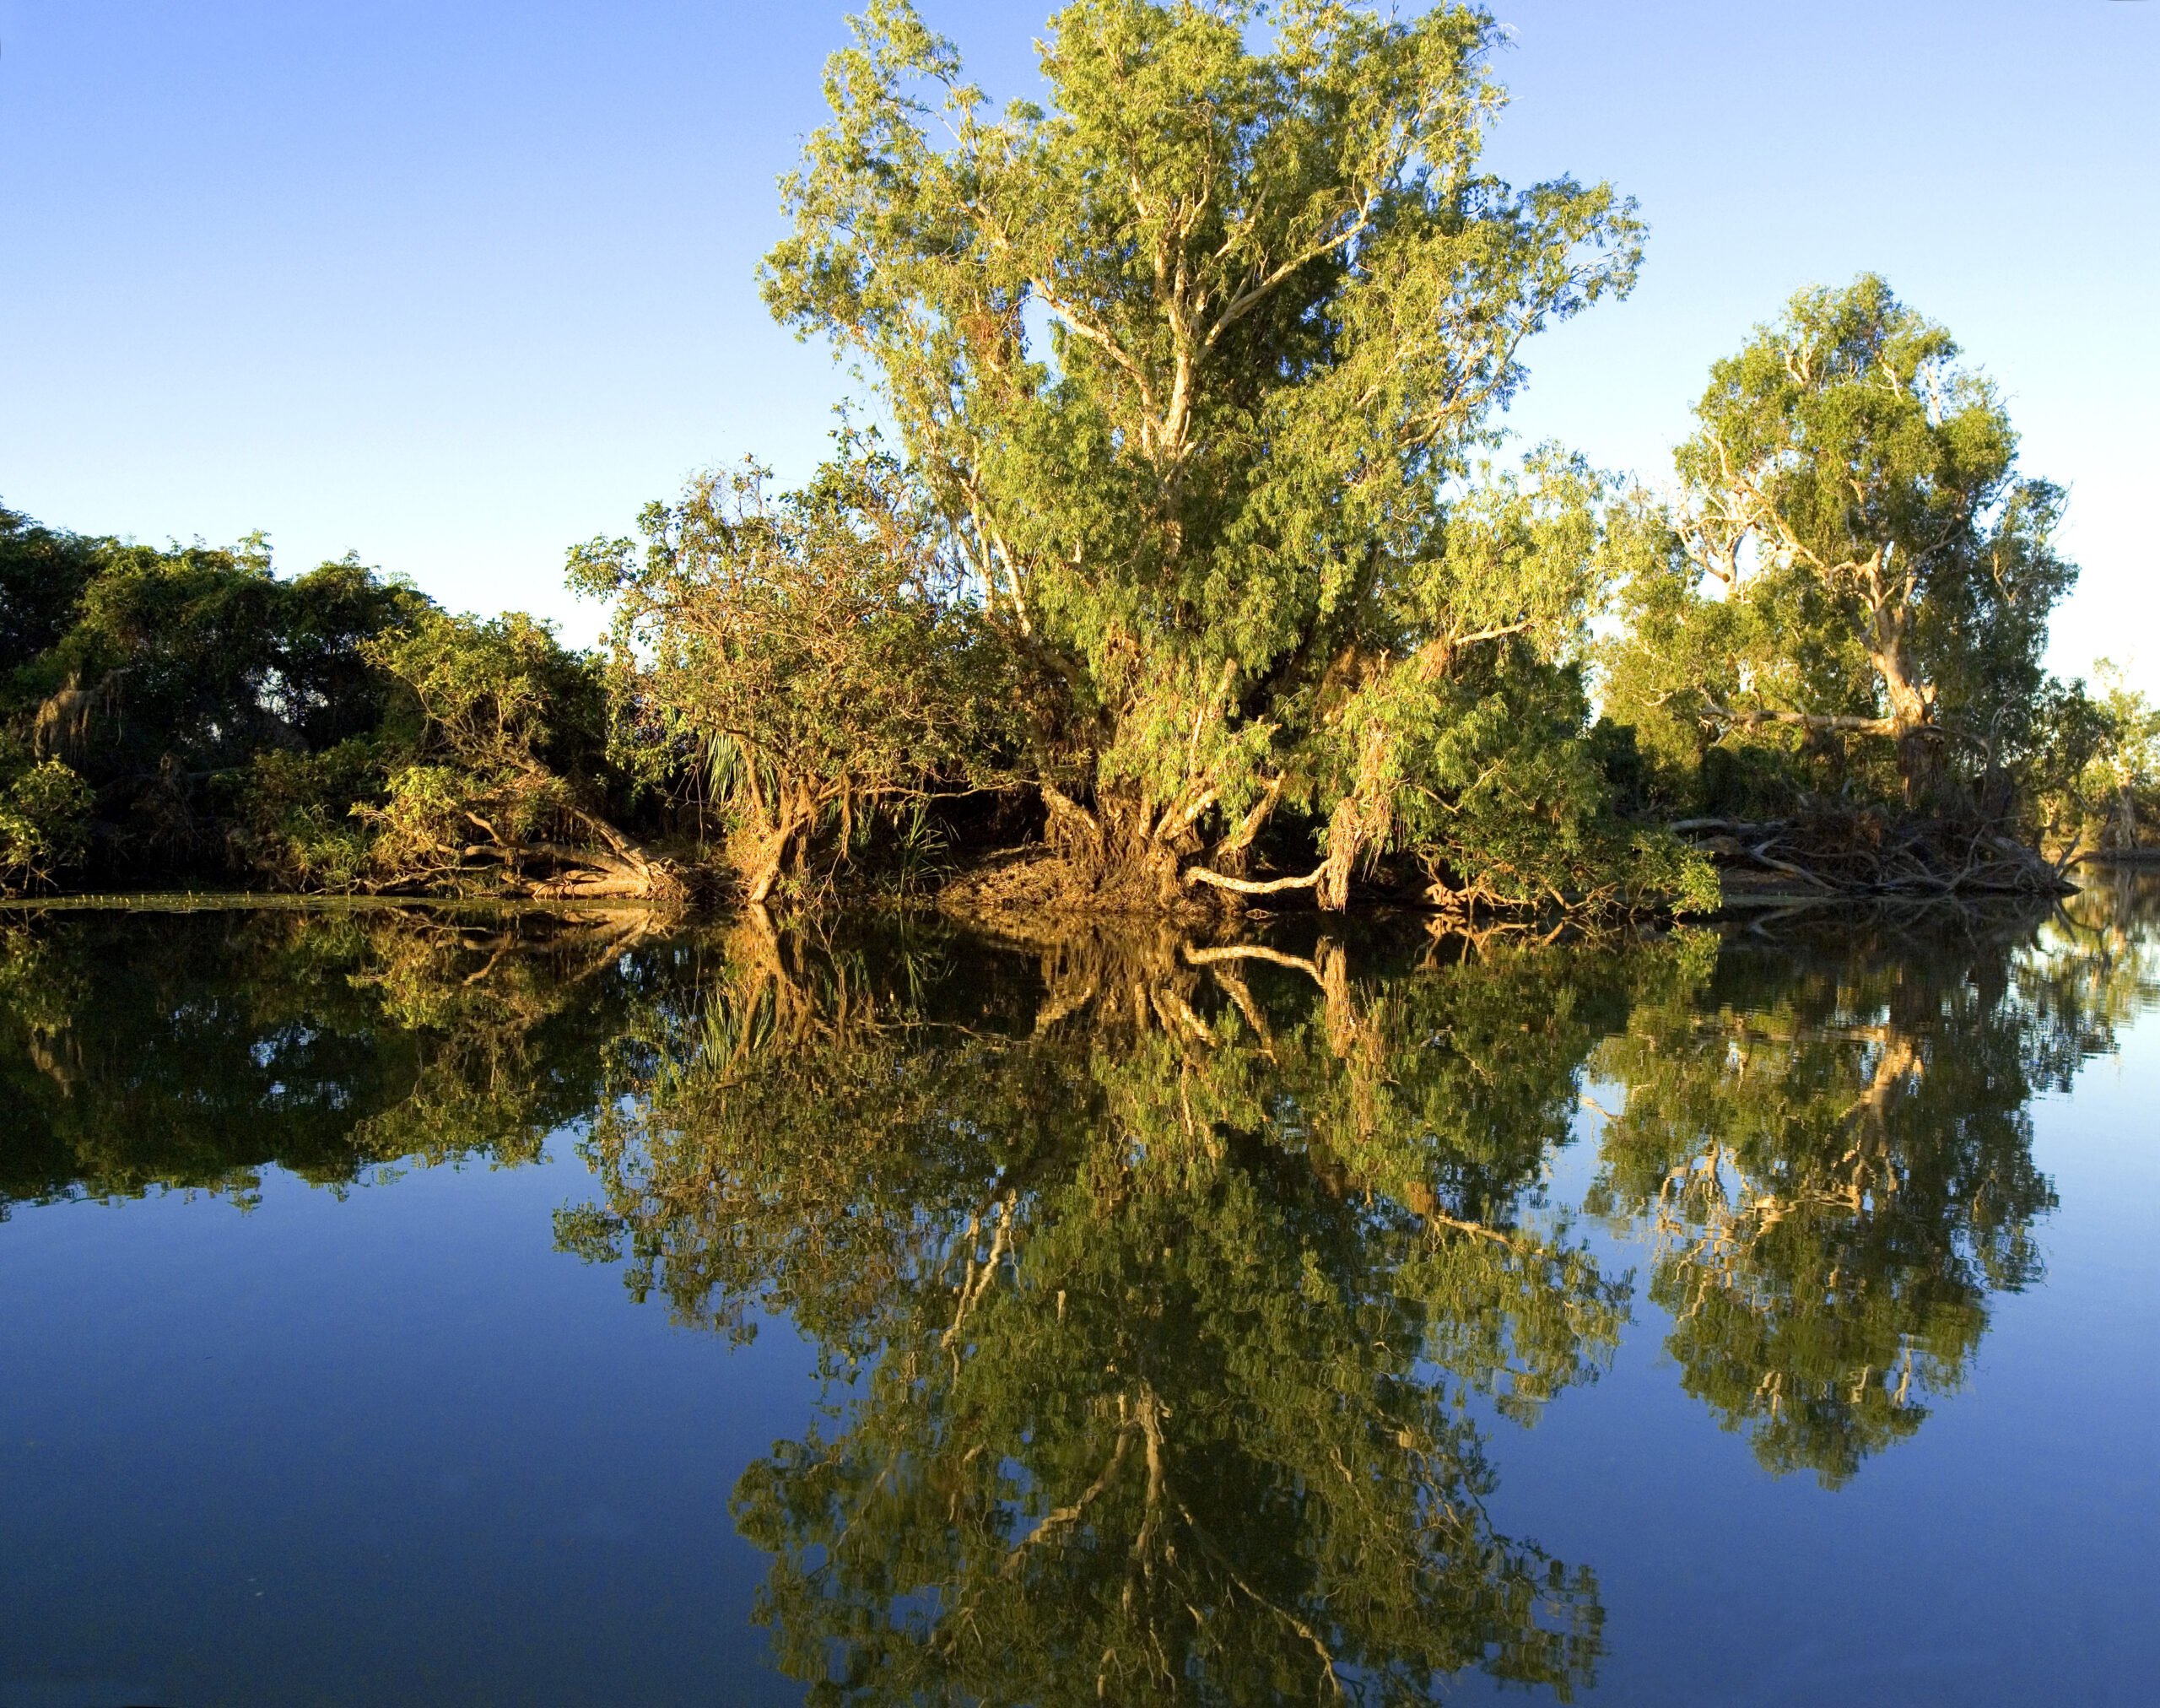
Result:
pixel 1193 360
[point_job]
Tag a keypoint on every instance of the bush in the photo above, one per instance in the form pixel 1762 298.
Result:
pixel 294 821
pixel 44 825
pixel 813 655
pixel 500 788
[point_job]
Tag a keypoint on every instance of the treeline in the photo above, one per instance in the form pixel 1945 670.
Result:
pixel 187 715
pixel 1186 567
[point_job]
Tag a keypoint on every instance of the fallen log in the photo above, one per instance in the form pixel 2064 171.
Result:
pixel 1870 854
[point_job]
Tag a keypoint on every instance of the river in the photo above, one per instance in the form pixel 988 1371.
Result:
pixel 410 1306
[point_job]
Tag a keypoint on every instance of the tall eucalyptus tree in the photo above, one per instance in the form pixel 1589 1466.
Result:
pixel 1195 359
pixel 1854 553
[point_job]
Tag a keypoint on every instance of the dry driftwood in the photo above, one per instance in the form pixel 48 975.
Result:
pixel 1868 854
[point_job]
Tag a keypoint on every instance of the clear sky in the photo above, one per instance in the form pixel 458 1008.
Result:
pixel 455 283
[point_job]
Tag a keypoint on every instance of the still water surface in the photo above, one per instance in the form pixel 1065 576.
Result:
pixel 410 1308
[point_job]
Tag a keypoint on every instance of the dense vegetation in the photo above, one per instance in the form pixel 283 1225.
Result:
pixel 188 715
pixel 1192 567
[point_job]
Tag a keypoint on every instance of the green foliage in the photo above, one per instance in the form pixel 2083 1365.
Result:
pixel 503 780
pixel 201 658
pixel 45 821
pixel 42 575
pixel 1192 363
pixel 2092 767
pixel 1494 789
pixel 293 823
pixel 333 731
pixel 805 653
pixel 498 694
pixel 1466 744
pixel 224 718
pixel 1853 554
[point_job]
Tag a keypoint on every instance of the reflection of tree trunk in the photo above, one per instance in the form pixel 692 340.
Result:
pixel 61 1073
pixel 1898 1064
pixel 1115 974
pixel 1234 986
pixel 977 1279
pixel 756 948
pixel 1062 1519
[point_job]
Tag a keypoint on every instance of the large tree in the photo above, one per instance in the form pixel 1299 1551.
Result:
pixel 1854 552
pixel 1195 360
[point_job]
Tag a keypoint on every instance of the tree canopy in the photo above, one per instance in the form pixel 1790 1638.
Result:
pixel 1188 567
pixel 1195 361
pixel 1854 553
pixel 805 655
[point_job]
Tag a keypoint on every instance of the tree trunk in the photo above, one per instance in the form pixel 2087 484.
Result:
pixel 1912 712
pixel 1359 822
pixel 779 840
pixel 1125 853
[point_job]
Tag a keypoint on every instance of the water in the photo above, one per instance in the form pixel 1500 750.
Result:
pixel 412 1308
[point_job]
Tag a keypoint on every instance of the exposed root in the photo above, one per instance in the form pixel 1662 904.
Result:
pixel 1050 883
pixel 1251 886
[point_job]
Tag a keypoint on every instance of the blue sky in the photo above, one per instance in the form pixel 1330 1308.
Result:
pixel 454 283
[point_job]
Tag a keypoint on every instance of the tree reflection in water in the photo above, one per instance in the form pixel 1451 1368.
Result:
pixel 1168 1292
pixel 192 1052
pixel 1829 1145
pixel 1155 1280
pixel 1151 1320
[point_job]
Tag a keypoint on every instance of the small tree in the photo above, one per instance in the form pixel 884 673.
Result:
pixel 2094 769
pixel 44 822
pixel 1854 552
pixel 500 787
pixel 814 654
